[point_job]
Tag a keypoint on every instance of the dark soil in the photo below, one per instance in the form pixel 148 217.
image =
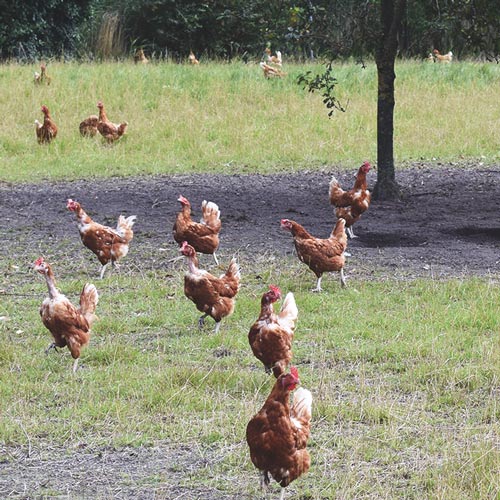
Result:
pixel 448 225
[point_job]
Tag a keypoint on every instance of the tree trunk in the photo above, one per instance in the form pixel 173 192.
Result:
pixel 386 187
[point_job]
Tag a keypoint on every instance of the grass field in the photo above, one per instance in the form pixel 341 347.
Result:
pixel 227 118
pixel 405 375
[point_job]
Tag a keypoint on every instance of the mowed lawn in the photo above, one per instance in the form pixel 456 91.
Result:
pixel 405 375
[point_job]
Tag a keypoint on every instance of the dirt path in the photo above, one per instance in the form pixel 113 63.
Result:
pixel 448 224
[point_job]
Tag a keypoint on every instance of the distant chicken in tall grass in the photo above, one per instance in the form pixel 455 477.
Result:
pixel 88 127
pixel 46 131
pixel 442 58
pixel 109 130
pixel 43 76
pixel 192 59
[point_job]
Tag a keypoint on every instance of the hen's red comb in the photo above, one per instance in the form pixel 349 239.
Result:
pixel 39 261
pixel 275 289
pixel 294 372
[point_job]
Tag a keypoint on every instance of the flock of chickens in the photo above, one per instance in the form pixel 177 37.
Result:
pixel 278 433
pixel 111 132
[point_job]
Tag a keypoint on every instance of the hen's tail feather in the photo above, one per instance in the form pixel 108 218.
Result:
pixel 210 213
pixel 289 312
pixel 335 192
pixel 121 128
pixel 88 302
pixel 302 405
pixel 124 226
pixel 234 269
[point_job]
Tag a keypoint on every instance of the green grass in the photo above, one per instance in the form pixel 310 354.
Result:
pixel 404 377
pixel 227 118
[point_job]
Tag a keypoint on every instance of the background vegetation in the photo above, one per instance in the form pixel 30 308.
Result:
pixel 241 28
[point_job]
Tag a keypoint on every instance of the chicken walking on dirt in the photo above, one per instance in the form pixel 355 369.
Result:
pixel 69 325
pixel 271 336
pixel 321 255
pixel 215 297
pixel 203 236
pixel 350 205
pixel 110 245
pixel 277 435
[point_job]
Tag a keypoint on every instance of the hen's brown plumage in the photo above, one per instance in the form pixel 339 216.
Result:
pixel 69 325
pixel 270 337
pixel 109 130
pixel 88 127
pixel 110 245
pixel 321 255
pixel 47 130
pixel 277 435
pixel 203 235
pixel 212 296
pixel 43 76
pixel 349 205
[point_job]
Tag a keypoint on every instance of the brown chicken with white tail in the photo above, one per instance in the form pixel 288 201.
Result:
pixel 214 297
pixel 271 336
pixel 277 435
pixel 321 255
pixel 46 131
pixel 203 235
pixel 350 205
pixel 442 58
pixel 110 245
pixel 109 130
pixel 69 325
pixel 192 59
pixel 43 76
pixel 270 71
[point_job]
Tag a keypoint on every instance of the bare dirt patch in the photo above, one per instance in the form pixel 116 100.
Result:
pixel 447 225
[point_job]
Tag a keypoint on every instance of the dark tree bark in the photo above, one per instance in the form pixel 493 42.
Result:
pixel 391 11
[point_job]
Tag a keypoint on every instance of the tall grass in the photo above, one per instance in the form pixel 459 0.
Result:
pixel 228 118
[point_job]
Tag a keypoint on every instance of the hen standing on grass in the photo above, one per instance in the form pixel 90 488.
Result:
pixel 212 296
pixel 88 127
pixel 277 435
pixel 321 255
pixel 47 130
pixel 42 77
pixel 203 235
pixel 349 205
pixel 107 243
pixel 69 325
pixel 109 130
pixel 271 336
